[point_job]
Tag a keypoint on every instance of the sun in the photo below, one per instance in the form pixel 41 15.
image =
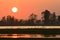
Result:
pixel 14 9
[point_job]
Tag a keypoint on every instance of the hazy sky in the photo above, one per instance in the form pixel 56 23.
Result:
pixel 26 7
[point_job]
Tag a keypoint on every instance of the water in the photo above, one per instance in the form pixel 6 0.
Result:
pixel 27 35
pixel 25 27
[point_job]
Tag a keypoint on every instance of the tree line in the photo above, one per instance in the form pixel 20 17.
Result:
pixel 47 19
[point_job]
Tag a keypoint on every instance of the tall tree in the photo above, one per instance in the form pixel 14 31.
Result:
pixel 46 15
pixel 32 19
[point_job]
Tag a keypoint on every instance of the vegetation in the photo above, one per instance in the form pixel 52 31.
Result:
pixel 48 19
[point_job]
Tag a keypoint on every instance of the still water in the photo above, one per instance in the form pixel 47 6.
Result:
pixel 26 36
pixel 25 27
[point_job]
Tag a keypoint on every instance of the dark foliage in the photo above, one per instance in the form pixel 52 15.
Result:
pixel 48 19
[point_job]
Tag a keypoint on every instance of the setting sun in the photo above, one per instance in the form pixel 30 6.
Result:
pixel 14 9
pixel 29 18
pixel 24 8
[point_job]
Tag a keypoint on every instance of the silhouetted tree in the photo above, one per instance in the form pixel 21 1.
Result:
pixel 53 19
pixel 38 23
pixel 32 19
pixel 8 20
pixel 46 16
pixel 3 21
pixel 21 22
pixel 58 20
pixel 47 19
pixel 11 20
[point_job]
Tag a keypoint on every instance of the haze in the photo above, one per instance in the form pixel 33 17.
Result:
pixel 26 7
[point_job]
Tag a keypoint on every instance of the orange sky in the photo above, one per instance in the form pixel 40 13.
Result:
pixel 26 7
